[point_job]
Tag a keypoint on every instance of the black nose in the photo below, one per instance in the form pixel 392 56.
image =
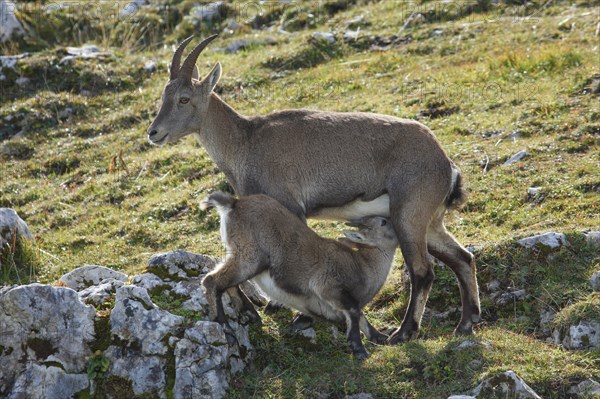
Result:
pixel 152 133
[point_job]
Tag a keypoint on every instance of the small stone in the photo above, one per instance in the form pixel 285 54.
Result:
pixel 351 35
pixel 65 113
pixel 150 66
pixel 546 319
pixel 243 44
pixel 357 22
pixel 507 384
pixel 450 312
pixel 437 32
pixel 550 240
pixel 510 297
pixel 88 275
pixel 231 27
pixel 413 20
pixel 326 36
pixel 475 364
pixel 473 248
pixel 361 395
pixel 493 286
pixel 586 389
pixel 10 225
pixel 205 12
pixel 517 157
pixel 593 238
pixel 89 51
pixel 23 81
pixel 334 332
pixel 132 7
pixel 461 397
pixel 565 24
pixel 10 26
pixel 473 344
pixel 180 264
pixel 595 281
pixel 309 333
pixel 10 61
pixel 533 191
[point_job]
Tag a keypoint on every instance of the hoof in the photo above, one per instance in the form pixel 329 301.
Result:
pixel 361 354
pixel 271 308
pixel 380 339
pixel 464 329
pixel 301 322
pixel 399 337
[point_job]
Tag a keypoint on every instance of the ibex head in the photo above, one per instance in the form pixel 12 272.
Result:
pixel 185 98
pixel 375 231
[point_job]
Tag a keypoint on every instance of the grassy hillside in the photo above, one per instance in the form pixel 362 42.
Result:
pixel 489 79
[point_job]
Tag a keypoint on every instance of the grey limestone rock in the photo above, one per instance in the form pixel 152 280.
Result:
pixel 12 227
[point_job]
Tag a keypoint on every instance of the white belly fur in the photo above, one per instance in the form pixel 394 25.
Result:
pixel 357 209
pixel 309 306
pixel 269 287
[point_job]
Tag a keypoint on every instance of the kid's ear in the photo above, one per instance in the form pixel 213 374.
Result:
pixel 195 73
pixel 354 236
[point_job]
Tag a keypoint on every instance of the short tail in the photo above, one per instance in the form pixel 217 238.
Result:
pixel 457 196
pixel 218 199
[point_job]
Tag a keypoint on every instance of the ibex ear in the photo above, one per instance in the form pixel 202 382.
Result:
pixel 195 73
pixel 358 240
pixel 355 236
pixel 214 76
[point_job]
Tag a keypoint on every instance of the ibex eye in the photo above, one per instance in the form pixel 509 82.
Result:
pixel 184 100
pixel 383 222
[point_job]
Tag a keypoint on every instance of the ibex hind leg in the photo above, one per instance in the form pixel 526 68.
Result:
pixel 442 245
pixel 246 304
pixel 372 334
pixel 229 274
pixel 410 222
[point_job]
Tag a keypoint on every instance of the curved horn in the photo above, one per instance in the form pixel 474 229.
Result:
pixel 177 58
pixel 188 65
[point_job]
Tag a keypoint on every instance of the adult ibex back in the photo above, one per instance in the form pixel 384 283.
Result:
pixel 333 165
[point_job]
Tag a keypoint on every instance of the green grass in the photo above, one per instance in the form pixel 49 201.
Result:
pixel 93 191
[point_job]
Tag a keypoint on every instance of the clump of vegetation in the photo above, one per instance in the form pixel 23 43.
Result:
pixel 18 262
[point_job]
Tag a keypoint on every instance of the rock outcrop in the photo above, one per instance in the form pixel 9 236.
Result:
pixel 53 337
pixel 10 27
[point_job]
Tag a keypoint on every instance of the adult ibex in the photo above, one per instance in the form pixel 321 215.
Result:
pixel 341 166
pixel 292 264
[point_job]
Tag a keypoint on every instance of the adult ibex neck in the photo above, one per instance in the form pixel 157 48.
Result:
pixel 224 134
